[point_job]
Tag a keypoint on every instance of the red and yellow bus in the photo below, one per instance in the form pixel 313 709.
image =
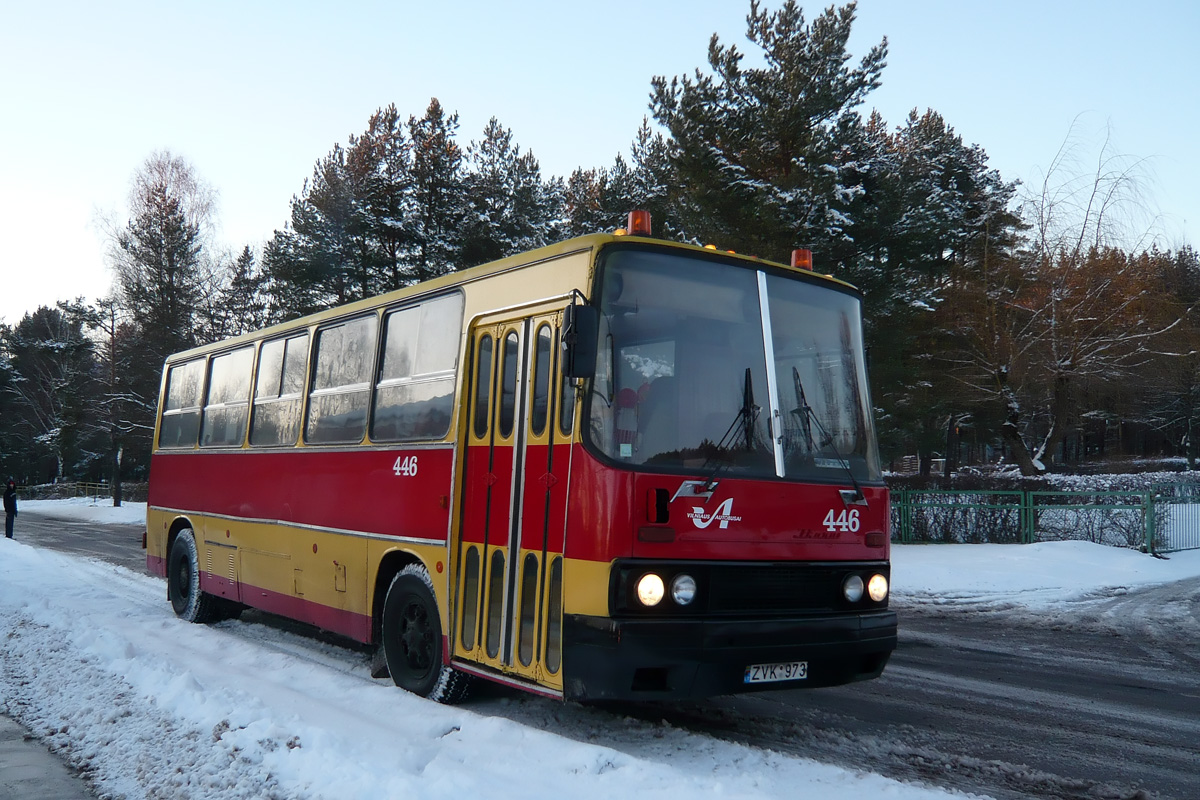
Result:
pixel 612 468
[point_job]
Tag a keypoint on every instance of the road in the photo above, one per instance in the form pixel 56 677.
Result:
pixel 1014 708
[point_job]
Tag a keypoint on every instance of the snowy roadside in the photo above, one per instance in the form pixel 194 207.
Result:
pixel 97 665
pixel 86 509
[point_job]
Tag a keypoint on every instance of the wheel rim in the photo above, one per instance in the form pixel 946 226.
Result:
pixel 183 577
pixel 416 637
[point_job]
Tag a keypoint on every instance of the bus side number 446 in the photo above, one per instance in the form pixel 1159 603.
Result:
pixel 406 466
pixel 845 521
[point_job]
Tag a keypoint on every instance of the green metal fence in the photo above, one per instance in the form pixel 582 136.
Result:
pixel 1161 519
pixel 1178 522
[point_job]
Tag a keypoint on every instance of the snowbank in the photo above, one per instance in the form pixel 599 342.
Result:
pixel 1048 575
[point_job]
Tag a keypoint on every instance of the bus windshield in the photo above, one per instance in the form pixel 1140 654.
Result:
pixel 687 382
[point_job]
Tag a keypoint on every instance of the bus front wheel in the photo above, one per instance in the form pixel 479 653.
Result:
pixel 183 581
pixel 412 639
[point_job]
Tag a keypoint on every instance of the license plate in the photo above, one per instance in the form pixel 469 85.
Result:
pixel 783 671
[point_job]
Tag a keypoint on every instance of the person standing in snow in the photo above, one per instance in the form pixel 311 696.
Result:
pixel 10 507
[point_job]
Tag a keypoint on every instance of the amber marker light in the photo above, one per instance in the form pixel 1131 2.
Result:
pixel 639 223
pixel 802 259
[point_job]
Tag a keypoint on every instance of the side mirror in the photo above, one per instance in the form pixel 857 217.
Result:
pixel 581 329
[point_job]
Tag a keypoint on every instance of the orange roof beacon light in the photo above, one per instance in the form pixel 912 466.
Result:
pixel 802 259
pixel 639 223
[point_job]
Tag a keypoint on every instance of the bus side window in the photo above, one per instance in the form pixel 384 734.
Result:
pixel 508 385
pixel 566 403
pixel 483 386
pixel 414 397
pixel 228 405
pixel 337 402
pixel 278 391
pixel 180 422
pixel 541 382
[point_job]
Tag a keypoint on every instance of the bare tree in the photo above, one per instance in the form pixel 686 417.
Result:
pixel 1071 310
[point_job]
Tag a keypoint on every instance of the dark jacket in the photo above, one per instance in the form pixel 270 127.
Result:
pixel 10 499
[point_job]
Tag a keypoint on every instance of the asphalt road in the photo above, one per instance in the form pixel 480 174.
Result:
pixel 116 544
pixel 1009 707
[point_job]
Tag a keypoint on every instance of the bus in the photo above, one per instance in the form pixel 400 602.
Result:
pixel 613 468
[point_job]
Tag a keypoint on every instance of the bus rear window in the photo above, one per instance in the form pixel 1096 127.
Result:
pixel 180 422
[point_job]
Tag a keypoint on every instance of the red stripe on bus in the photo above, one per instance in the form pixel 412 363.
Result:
pixel 399 492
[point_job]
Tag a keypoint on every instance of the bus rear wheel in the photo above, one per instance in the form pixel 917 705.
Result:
pixel 183 581
pixel 412 639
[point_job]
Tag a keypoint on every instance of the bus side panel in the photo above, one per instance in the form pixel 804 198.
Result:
pixel 288 531
pixel 390 492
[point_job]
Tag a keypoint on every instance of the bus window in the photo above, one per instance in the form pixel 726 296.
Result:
pixel 337 403
pixel 470 598
pixel 495 604
pixel 483 387
pixel 508 385
pixel 541 382
pixel 279 391
pixel 566 405
pixel 181 410
pixel 228 406
pixel 554 617
pixel 527 621
pixel 414 398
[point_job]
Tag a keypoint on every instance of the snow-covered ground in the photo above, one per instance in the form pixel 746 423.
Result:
pixel 96 664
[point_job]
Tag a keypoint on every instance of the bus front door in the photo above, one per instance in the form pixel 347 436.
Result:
pixel 509 576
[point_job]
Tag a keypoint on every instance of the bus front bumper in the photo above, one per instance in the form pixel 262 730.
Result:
pixel 634 659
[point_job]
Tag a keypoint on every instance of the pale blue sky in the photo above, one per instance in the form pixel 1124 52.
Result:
pixel 253 93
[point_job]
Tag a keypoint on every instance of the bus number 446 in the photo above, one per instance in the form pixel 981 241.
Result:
pixel 845 521
pixel 406 466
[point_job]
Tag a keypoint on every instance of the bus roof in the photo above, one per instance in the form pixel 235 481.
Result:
pixel 593 242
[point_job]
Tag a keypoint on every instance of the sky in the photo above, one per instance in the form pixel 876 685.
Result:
pixel 97 666
pixel 253 94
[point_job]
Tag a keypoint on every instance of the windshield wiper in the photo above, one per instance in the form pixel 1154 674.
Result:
pixel 747 418
pixel 807 417
pixel 804 410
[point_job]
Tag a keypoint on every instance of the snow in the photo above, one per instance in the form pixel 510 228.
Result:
pixel 149 706
pixel 87 509
pixel 1048 576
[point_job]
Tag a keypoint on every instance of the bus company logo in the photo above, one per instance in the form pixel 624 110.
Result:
pixel 722 514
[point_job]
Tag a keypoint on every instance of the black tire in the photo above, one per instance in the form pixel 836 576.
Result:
pixel 412 639
pixel 183 581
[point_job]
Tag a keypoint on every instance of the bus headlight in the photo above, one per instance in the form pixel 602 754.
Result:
pixel 683 589
pixel 877 588
pixel 853 588
pixel 650 589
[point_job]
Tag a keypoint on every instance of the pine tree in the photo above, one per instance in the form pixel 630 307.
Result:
pixel 379 166
pixel 165 274
pixel 438 193
pixel 159 276
pixel 585 206
pixel 759 152
pixel 509 209
pixel 241 303
pixel 50 385
pixel 653 182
